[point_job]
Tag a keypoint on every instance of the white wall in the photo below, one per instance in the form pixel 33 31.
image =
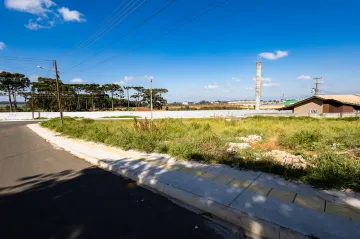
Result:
pixel 157 114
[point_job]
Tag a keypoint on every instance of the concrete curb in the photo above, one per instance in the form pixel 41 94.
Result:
pixel 250 225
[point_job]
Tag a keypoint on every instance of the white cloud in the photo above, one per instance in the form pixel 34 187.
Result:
pixel 211 86
pixel 2 45
pixel 131 78
pixel 36 7
pixel 236 79
pixel 251 88
pixel 146 77
pixel 33 78
pixel 271 84
pixel 228 84
pixel 304 77
pixel 266 79
pixel 226 91
pixel 46 12
pixel 71 15
pixel 34 25
pixel 77 80
pixel 272 56
pixel 119 82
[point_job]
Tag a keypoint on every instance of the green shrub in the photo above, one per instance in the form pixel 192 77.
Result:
pixel 350 119
pixel 301 138
pixel 335 171
pixel 87 121
pixel 195 125
pixel 348 137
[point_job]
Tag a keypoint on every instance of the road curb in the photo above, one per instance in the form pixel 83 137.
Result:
pixel 250 225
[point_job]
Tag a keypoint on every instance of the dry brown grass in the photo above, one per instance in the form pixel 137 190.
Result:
pixel 269 144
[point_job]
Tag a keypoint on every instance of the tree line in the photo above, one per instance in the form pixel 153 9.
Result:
pixel 42 94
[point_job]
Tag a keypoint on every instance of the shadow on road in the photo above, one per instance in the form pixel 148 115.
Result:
pixel 92 204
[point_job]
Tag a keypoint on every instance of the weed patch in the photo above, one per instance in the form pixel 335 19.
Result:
pixel 331 146
pixel 122 117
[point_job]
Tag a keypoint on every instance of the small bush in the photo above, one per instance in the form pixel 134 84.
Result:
pixel 87 121
pixel 68 118
pixel 350 119
pixel 335 171
pixel 302 138
pixel 349 138
pixel 195 125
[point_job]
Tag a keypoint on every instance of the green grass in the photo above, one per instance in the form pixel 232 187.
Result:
pixel 331 146
pixel 122 117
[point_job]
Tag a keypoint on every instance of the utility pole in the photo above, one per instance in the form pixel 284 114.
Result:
pixel 258 84
pixel 317 83
pixel 58 93
pixel 32 102
pixel 151 101
pixel 127 90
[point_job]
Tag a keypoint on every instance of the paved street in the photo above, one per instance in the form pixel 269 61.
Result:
pixel 47 193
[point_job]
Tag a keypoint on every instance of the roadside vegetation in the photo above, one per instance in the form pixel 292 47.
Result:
pixel 209 107
pixel 122 117
pixel 330 147
pixel 40 95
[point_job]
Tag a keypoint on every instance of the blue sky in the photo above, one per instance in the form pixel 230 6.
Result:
pixel 211 58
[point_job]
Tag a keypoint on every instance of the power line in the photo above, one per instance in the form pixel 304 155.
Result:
pixel 111 24
pixel 16 68
pixel 337 93
pixel 90 34
pixel 163 34
pixel 126 34
pixel 15 58
pixel 125 17
pixel 329 92
pixel 358 95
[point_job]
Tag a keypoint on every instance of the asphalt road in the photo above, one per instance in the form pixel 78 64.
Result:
pixel 48 193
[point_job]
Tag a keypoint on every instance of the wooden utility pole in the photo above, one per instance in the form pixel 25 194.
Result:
pixel 151 101
pixel 58 93
pixel 32 102
pixel 317 83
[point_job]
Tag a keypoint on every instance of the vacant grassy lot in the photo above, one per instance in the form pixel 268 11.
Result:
pixel 122 117
pixel 331 146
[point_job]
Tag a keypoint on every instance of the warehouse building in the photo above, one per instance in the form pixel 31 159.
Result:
pixel 326 104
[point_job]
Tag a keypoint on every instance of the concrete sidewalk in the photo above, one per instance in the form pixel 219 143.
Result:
pixel 262 204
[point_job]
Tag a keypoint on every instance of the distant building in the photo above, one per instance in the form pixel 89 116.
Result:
pixel 326 104
pixel 188 103
pixel 290 102
pixel 242 102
